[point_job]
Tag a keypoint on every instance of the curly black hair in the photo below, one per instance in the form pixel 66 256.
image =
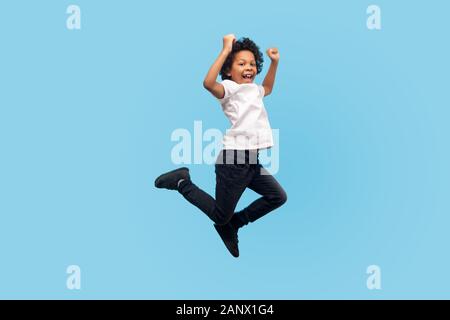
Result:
pixel 239 45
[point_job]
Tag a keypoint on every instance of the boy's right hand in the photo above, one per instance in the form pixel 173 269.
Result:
pixel 228 41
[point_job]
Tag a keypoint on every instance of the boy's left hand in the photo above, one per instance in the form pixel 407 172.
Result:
pixel 273 54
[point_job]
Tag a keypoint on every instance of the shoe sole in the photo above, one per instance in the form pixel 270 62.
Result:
pixel 165 175
pixel 225 242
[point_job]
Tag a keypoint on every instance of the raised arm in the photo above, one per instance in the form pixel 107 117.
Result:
pixel 210 82
pixel 269 80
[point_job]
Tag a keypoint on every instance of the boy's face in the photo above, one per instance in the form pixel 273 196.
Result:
pixel 243 69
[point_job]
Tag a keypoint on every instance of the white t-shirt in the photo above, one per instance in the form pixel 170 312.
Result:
pixel 243 105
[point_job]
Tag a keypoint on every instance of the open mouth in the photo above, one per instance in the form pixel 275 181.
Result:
pixel 247 76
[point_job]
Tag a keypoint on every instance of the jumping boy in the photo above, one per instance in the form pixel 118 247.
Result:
pixel 237 166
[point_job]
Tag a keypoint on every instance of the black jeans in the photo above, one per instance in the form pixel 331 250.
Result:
pixel 236 170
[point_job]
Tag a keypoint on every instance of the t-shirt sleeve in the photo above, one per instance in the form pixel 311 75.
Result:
pixel 230 88
pixel 262 92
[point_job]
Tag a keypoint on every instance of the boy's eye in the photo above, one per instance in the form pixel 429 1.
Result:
pixel 253 65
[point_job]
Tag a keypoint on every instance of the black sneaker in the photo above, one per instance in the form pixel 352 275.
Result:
pixel 170 179
pixel 229 237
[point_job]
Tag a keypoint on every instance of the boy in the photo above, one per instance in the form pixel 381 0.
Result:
pixel 237 166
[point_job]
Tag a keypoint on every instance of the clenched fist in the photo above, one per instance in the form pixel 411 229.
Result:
pixel 228 41
pixel 273 54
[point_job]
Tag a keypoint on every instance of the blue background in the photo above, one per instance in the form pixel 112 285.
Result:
pixel 85 123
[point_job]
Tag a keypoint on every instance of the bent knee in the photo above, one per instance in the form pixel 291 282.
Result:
pixel 283 198
pixel 279 199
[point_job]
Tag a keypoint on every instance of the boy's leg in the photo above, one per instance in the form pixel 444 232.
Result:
pixel 231 181
pixel 273 196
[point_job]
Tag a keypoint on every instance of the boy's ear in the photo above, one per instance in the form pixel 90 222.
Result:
pixel 228 72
